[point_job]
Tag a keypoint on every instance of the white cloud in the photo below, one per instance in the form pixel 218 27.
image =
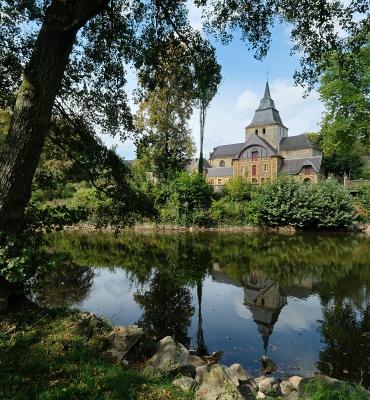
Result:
pixel 246 102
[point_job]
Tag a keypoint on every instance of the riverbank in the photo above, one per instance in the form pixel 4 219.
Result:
pixel 85 227
pixel 60 354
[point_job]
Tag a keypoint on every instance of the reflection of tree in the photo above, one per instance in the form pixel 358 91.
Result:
pixel 167 308
pixel 66 284
pixel 346 333
pixel 201 343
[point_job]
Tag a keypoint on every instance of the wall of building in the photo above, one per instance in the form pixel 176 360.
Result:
pixel 218 180
pixel 266 169
pixel 215 162
pixel 273 133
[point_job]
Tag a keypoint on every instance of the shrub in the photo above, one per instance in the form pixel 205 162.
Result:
pixel 363 203
pixel 186 200
pixel 285 201
pixel 239 189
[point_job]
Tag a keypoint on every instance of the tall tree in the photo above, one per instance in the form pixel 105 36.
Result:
pixel 77 50
pixel 345 132
pixel 207 80
pixel 165 143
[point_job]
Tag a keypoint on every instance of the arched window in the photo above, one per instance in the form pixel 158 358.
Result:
pixel 256 131
pixel 307 180
pixel 222 163
pixel 254 181
pixel 263 130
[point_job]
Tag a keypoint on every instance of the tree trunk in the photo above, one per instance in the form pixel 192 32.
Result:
pixel 33 108
pixel 202 123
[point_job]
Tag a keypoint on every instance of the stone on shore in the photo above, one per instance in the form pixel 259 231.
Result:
pixel 216 384
pixel 295 380
pixel 237 374
pixel 266 386
pixel 185 383
pixel 286 388
pixel 122 339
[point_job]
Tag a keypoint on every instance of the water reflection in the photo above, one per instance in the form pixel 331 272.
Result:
pixel 301 299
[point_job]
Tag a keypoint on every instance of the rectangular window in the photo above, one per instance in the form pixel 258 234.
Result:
pixel 219 181
pixel 254 155
pixel 254 170
pixel 266 167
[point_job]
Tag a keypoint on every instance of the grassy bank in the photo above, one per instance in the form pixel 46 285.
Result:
pixel 46 354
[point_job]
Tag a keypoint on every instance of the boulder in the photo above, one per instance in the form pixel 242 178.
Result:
pixel 237 374
pixel 292 396
pixel 170 356
pixel 266 386
pixel 185 383
pixel 122 339
pixel 217 385
pixel 295 380
pixel 260 395
pixel 286 387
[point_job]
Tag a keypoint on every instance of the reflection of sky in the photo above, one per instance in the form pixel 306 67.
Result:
pixel 228 324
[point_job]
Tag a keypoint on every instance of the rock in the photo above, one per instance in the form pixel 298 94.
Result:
pixel 295 380
pixel 185 383
pixel 266 385
pixel 122 339
pixel 237 373
pixel 292 396
pixel 260 395
pixel 268 365
pixel 90 323
pixel 217 385
pixel 259 379
pixel 170 356
pixel 200 372
pixel 247 391
pixel 286 387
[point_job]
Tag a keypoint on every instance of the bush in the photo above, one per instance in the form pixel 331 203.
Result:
pixel 185 200
pixel 285 201
pixel 238 189
pixel 363 203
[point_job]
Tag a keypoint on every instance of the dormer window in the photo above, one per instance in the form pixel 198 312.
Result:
pixel 254 155
pixel 222 163
pixel 256 131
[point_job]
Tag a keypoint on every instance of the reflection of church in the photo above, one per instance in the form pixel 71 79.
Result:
pixel 262 296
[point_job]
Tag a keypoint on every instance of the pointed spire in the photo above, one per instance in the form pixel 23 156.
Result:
pixel 267 94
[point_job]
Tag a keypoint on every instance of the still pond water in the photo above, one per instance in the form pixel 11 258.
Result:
pixel 303 300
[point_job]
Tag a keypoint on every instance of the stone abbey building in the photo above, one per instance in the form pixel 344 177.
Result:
pixel 267 151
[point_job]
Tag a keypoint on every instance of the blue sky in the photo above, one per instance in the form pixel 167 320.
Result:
pixel 242 87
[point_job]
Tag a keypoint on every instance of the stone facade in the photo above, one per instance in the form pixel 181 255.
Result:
pixel 267 152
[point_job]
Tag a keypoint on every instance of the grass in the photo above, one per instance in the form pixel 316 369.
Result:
pixel 319 390
pixel 49 357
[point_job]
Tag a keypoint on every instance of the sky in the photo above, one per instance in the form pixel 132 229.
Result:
pixel 242 87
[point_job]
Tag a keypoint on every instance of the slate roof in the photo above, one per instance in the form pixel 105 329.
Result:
pixel 293 166
pixel 266 112
pixel 193 164
pixel 219 172
pixel 255 140
pixel 227 150
pixel 298 142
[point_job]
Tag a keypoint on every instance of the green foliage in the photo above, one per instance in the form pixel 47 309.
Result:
pixel 319 390
pixel 325 205
pixel 345 134
pixel 363 203
pixel 186 200
pixel 50 349
pixel 238 189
